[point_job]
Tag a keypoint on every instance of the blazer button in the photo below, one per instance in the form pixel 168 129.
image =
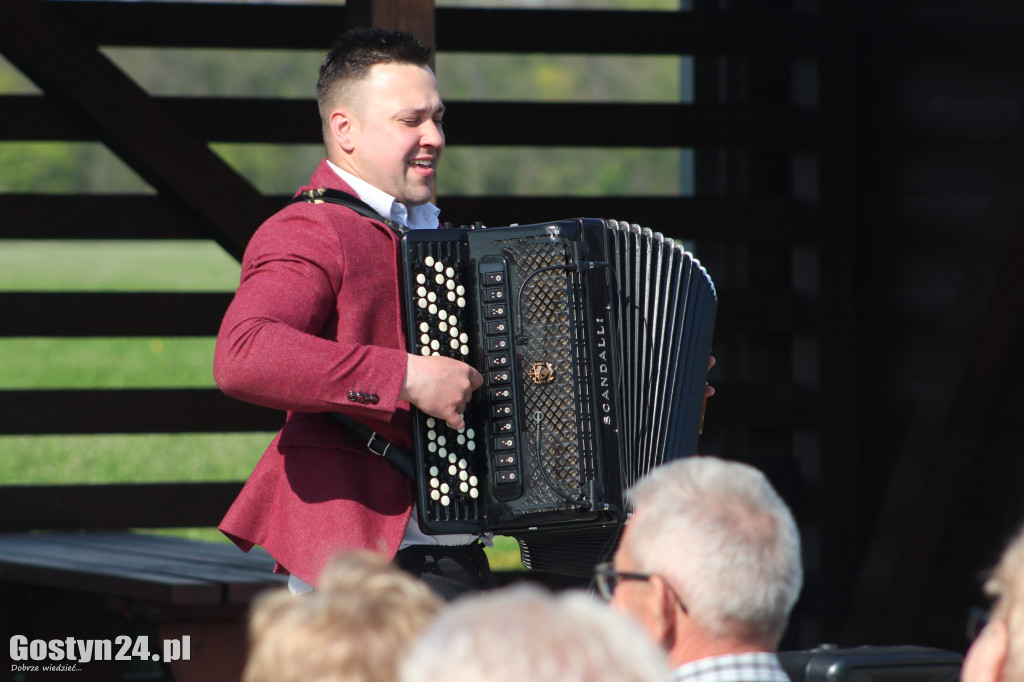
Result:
pixel 374 399
pixel 352 395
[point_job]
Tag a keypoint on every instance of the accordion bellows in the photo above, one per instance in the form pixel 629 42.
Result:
pixel 593 337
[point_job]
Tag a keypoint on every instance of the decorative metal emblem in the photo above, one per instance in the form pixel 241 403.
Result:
pixel 541 373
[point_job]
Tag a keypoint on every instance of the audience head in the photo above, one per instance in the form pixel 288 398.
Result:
pixel 349 630
pixel 526 633
pixel 997 655
pixel 718 557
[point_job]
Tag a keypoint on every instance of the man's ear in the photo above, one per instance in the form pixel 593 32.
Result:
pixel 341 127
pixel 987 656
pixel 662 611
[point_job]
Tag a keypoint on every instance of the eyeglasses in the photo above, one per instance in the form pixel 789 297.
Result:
pixel 606 578
pixel 977 619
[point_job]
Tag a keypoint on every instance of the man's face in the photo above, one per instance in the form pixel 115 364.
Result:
pixel 393 138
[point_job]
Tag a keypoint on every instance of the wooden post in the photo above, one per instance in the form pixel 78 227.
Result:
pixel 413 16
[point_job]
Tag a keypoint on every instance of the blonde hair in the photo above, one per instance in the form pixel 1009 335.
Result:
pixel 1006 586
pixel 350 630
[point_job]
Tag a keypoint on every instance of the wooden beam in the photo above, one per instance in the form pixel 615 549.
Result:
pixel 158 410
pixel 412 16
pixel 458 29
pixel 983 332
pixel 207 410
pixel 708 219
pixel 75 74
pixel 152 505
pixel 763 126
pixel 82 314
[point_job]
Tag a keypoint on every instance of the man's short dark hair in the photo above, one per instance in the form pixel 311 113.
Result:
pixel 356 50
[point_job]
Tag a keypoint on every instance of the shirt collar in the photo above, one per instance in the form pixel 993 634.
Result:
pixel 754 666
pixel 424 216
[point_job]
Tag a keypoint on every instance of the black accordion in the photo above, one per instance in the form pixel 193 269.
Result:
pixel 593 338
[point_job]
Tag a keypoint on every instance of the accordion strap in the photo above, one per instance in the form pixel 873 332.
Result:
pixel 327 195
pixel 376 444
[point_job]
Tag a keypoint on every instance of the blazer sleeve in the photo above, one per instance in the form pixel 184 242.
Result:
pixel 297 336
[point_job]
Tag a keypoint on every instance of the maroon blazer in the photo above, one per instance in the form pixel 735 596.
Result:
pixel 314 327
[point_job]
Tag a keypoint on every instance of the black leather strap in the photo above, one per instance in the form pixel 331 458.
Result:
pixel 377 444
pixel 328 195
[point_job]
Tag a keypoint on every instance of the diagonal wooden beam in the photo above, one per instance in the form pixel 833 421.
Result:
pixel 126 119
pixel 946 432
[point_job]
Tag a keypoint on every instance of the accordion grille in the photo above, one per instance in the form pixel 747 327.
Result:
pixel 548 338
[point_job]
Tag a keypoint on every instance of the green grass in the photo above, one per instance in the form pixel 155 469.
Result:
pixel 99 362
pixel 111 363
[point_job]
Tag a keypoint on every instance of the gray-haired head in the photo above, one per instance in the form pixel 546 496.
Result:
pixel 725 540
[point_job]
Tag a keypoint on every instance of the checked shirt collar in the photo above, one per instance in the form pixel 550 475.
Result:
pixel 761 666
